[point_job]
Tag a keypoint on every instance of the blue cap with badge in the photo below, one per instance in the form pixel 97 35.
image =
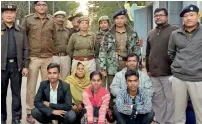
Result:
pixel 120 12
pixel 189 8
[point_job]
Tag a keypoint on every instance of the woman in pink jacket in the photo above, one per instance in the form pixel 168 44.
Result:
pixel 96 101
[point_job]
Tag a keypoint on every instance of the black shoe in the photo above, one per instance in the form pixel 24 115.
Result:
pixel 16 122
pixel 3 122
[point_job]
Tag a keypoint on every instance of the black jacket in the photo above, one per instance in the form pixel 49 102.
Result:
pixel 64 98
pixel 21 47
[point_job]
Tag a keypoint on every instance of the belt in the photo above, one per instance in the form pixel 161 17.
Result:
pixel 120 58
pixel 11 60
pixel 84 58
pixel 60 54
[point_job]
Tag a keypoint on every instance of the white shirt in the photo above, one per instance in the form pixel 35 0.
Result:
pixel 53 94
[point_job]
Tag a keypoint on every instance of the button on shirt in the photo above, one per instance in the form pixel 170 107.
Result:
pixel 53 94
pixel 12 52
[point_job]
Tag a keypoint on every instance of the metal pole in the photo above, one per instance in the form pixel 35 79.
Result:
pixel 53 6
pixel 28 7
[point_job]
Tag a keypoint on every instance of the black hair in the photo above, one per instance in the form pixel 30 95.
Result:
pixel 132 55
pixel 54 65
pixel 35 2
pixel 161 9
pixel 95 73
pixel 130 73
pixel 79 63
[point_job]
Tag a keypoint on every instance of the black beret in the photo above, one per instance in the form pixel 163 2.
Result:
pixel 8 7
pixel 120 12
pixel 190 8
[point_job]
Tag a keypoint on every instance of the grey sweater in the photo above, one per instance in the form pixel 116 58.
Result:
pixel 186 55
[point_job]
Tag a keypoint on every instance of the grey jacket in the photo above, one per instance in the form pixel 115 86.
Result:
pixel 21 45
pixel 119 82
pixel 186 55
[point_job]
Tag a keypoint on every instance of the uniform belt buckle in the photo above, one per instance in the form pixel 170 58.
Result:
pixel 11 60
pixel 85 59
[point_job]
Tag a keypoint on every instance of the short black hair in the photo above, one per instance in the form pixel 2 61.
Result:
pixel 79 63
pixel 132 55
pixel 130 73
pixel 161 9
pixel 35 2
pixel 54 65
pixel 95 73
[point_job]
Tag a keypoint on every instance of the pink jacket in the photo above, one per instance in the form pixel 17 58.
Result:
pixel 100 99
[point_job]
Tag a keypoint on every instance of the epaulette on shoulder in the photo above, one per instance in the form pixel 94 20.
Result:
pixel 32 14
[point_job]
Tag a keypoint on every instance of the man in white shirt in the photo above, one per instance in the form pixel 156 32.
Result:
pixel 53 99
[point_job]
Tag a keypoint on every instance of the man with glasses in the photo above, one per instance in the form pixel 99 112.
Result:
pixel 41 32
pixel 158 66
pixel 63 34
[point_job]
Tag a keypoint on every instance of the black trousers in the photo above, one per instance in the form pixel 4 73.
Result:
pixel 15 77
pixel 68 118
pixel 140 118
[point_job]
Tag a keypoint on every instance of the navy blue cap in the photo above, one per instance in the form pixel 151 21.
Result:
pixel 120 12
pixel 190 8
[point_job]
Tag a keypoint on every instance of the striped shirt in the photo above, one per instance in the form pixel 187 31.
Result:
pixel 143 101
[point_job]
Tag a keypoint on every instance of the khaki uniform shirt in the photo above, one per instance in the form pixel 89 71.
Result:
pixel 121 39
pixel 62 40
pixel 41 35
pixel 82 46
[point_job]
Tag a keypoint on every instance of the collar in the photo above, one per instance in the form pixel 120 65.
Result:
pixel 181 30
pixel 88 34
pixel 129 92
pixel 163 26
pixel 128 29
pixel 56 86
pixel 3 26
pixel 36 16
pixel 197 27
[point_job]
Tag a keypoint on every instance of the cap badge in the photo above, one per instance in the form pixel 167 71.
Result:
pixel 191 8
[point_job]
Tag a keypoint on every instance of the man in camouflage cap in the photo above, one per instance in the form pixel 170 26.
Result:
pixel 63 34
pixel 14 62
pixel 104 25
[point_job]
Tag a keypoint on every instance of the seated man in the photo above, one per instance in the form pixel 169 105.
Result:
pixel 133 105
pixel 53 99
pixel 119 81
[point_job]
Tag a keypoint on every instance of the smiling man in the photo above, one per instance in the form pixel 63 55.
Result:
pixel 185 49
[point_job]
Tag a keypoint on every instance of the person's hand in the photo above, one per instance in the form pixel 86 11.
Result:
pixel 104 73
pixel 25 72
pixel 46 103
pixel 75 108
pixel 149 74
pixel 79 108
pixel 59 112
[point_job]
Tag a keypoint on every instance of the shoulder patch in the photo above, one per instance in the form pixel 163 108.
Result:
pixel 32 14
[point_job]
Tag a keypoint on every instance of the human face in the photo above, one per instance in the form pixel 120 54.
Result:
pixel 83 25
pixel 132 83
pixel 190 19
pixel 104 25
pixel 80 73
pixel 53 75
pixel 75 22
pixel 8 16
pixel 160 18
pixel 132 63
pixel 59 19
pixel 41 7
pixel 120 20
pixel 96 82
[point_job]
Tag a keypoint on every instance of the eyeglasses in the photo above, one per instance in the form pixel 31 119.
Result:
pixel 155 16
pixel 43 5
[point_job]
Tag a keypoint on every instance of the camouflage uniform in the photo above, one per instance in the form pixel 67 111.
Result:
pixel 108 57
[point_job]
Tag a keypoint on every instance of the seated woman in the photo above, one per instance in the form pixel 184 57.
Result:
pixel 96 101
pixel 78 80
